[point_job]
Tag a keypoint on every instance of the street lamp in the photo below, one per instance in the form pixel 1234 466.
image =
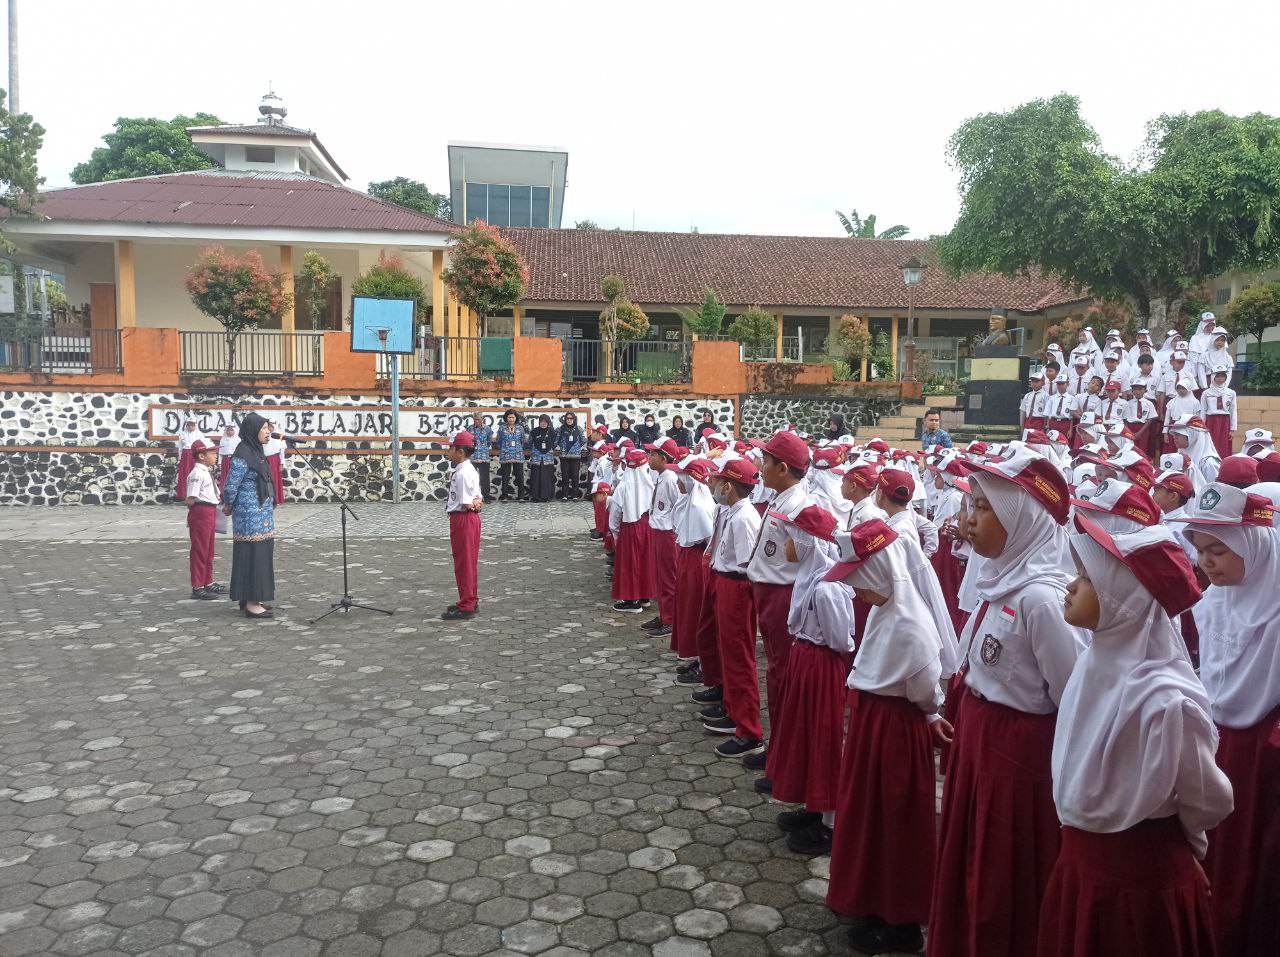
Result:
pixel 912 273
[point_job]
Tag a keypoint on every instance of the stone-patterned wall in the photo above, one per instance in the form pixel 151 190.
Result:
pixel 764 414
pixel 119 464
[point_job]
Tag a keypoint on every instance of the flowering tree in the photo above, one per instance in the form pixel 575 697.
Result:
pixel 238 291
pixel 485 272
pixel 389 279
pixel 317 277
pixel 755 328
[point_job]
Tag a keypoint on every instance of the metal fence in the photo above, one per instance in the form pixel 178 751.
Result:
pixel 252 353
pixel 454 357
pixel 60 349
pixel 627 360
pixel 940 356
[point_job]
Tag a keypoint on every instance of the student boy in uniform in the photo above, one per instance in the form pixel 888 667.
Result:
pixel 463 505
pixel 1140 417
pixel 662 534
pixel 202 512
pixel 1031 409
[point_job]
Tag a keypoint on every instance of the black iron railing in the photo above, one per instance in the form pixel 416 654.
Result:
pixel 627 360
pixel 253 353
pixel 60 349
pixel 455 357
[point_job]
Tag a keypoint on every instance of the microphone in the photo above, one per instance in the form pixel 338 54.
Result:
pixel 289 440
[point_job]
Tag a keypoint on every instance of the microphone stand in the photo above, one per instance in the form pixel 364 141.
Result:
pixel 346 602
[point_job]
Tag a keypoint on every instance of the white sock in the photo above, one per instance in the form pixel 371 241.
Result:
pixel 829 818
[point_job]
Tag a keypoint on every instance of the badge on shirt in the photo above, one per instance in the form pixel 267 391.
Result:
pixel 991 649
pixel 1008 616
pixel 770 548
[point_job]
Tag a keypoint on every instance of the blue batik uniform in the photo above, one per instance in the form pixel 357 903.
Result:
pixel 250 521
pixel 570 441
pixel 511 443
pixel 484 442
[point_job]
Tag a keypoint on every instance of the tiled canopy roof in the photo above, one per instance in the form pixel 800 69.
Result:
pixel 566 265
pixel 234 198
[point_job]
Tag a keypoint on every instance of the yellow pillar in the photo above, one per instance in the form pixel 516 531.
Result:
pixel 865 372
pixel 518 312
pixel 126 286
pixel 777 346
pixel 439 325
pixel 893 345
pixel 289 319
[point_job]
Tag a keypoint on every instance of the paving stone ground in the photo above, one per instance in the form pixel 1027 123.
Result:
pixel 175 779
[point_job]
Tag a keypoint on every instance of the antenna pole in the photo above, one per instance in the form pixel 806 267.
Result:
pixel 13 56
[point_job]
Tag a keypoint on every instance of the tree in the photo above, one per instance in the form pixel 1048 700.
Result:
pixel 20 140
pixel 1101 317
pixel 755 328
pixel 389 279
pixel 621 318
pixel 707 319
pixel 146 146
pixel 1253 312
pixel 411 194
pixel 859 228
pixel 852 340
pixel 881 357
pixel 316 280
pixel 586 224
pixel 485 272
pixel 1039 193
pixel 238 291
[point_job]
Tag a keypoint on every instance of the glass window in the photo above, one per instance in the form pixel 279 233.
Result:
pixel 1223 297
pixel 519 205
pixel 260 154
pixel 499 205
pixel 541 214
pixel 477 203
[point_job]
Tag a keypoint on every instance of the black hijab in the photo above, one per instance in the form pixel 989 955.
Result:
pixel 543 437
pixel 838 427
pixel 251 451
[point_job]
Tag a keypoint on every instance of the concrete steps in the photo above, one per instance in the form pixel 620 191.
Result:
pixel 903 428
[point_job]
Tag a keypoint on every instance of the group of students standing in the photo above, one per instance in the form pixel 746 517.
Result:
pixel 1108 789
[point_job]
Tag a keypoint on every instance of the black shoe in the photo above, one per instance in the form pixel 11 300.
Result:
pixel 215 588
pixel 763 785
pixel 814 839
pixel 504 498
pixel 737 747
pixel 203 594
pixel 693 677
pixel 262 614
pixel 755 761
pixel 725 725
pixel 454 613
pixel 791 821
pixel 630 607
pixel 881 938
pixel 712 695
pixel 652 623
pixel 691 665
pixel 595 534
pixel 608 557
pixel 712 713
pixel 663 632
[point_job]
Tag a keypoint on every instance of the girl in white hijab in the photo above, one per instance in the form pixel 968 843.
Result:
pixel 1202 341
pixel 1239 552
pixel 1134 779
pixel 1189 435
pixel 226 448
pixel 188 437
pixel 999 833
pixel 883 847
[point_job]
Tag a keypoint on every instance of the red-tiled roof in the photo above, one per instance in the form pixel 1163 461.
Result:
pixel 234 198
pixel 566 265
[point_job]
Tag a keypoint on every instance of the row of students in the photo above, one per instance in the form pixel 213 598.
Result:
pixel 1031 845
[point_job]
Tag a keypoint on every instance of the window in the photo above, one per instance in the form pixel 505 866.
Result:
pixel 541 214
pixel 519 206
pixel 1223 297
pixel 477 202
pixel 260 154
pixel 504 205
pixel 500 205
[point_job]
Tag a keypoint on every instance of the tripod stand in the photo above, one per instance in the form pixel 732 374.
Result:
pixel 346 602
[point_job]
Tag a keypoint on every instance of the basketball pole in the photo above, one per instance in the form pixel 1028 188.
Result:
pixel 395 428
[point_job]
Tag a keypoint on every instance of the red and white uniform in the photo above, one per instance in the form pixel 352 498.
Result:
pixel 662 542
pixel 464 532
pixel 695 518
pixel 1218 407
pixel 201 523
pixel 730 547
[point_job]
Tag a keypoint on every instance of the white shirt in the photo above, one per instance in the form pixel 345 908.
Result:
pixel 1112 409
pixel 1078 383
pixel 1087 402
pixel 666 491
pixel 926 531
pixel 201 486
pixel 1219 401
pixel 1024 651
pixel 904 523
pixel 1032 405
pixel 864 511
pixel 769 563
pixel 273 447
pixel 1139 410
pixel 464 487
pixel 1060 405
pixel 738 526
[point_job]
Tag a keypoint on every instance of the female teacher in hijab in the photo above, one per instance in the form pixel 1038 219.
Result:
pixel 249 498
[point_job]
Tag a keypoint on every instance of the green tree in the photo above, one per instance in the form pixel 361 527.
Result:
pixel 586 224
pixel 881 357
pixel 859 228
pixel 755 328
pixel 621 318
pixel 707 319
pixel 411 194
pixel 315 281
pixel 1039 193
pixel 20 140
pixel 852 340
pixel 485 272
pixel 240 292
pixel 1253 312
pixel 146 146
pixel 389 279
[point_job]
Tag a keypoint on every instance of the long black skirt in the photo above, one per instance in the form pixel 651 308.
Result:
pixel 542 482
pixel 253 572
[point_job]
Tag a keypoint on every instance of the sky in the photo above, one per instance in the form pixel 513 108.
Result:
pixel 729 117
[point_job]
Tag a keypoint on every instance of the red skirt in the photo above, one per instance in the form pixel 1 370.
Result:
pixel 1243 862
pixel 632 570
pixel 662 555
pixel 691 585
pixel 185 461
pixel 946 565
pixel 956 690
pixel 224 469
pixel 277 476
pixel 804 755
pixel 707 636
pixel 1137 893
pixel 883 847
pixel 1062 426
pixel 999 836
pixel 1219 427
pixel 600 512
pixel 1034 422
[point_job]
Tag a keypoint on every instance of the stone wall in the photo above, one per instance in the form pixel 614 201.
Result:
pixel 115 462
pixel 764 414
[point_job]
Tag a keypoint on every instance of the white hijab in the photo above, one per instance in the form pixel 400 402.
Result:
pixel 697 513
pixel 820 611
pixel 187 439
pixel 1036 548
pixel 1203 454
pixel 634 493
pixel 826 492
pixel 1202 341
pixel 1131 704
pixel 228 443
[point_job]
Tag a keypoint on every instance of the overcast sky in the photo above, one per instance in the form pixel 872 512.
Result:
pixel 731 117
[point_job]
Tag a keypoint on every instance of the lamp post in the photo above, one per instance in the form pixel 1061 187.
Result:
pixel 912 273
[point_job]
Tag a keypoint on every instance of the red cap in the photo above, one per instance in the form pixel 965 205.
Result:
pixel 902 455
pixel 786 447
pixel 202 445
pixel 878 445
pixel 1237 470
pixel 1113 385
pixel 826 458
pixel 1220 504
pixel 1176 482
pixel 859 544
pixel 740 470
pixel 814 519
pixel 1155 559
pixel 897 485
pixel 1122 499
pixel 668 448
pixel 861 473
pixel 636 458
pixel 1037 476
pixel 698 469
pixel 1268 465
pixel 1036 437
pixel 717 441
pixel 463 440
